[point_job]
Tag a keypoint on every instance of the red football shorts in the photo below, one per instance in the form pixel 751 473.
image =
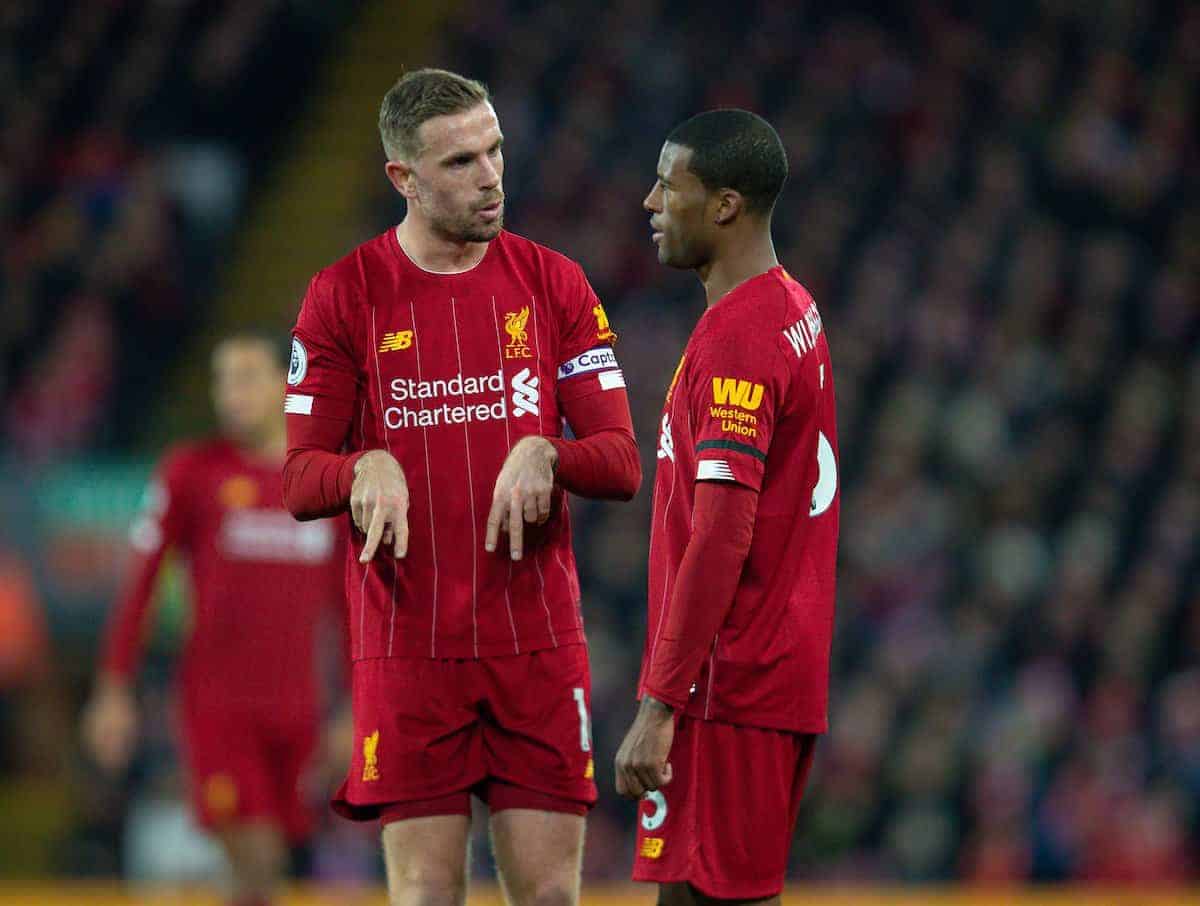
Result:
pixel 724 823
pixel 248 767
pixel 513 730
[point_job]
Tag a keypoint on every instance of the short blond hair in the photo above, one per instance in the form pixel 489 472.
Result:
pixel 418 96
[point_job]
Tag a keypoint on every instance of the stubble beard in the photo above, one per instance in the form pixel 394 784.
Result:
pixel 465 229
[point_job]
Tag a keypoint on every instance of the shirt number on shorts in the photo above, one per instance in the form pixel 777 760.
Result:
pixel 585 725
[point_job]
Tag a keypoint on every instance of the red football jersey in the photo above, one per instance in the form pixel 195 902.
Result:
pixel 260 582
pixel 447 372
pixel 752 402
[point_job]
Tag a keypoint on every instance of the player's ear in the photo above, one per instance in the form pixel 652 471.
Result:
pixel 729 204
pixel 400 175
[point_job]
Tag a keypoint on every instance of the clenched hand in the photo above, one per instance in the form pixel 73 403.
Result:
pixel 522 493
pixel 641 762
pixel 379 503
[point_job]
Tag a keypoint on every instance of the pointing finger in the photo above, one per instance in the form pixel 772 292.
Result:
pixel 493 524
pixel 374 533
pixel 516 526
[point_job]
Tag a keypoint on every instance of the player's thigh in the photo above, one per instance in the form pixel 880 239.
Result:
pixel 538 855
pixel 537 729
pixel 426 859
pixel 416 735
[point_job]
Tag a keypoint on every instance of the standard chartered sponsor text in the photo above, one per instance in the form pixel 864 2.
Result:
pixel 458 388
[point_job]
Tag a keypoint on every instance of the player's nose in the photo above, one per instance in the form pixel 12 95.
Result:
pixel 490 176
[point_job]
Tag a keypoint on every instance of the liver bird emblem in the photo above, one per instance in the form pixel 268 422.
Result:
pixel 514 325
pixel 370 759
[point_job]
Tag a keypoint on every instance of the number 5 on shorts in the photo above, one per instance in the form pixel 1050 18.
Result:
pixel 585 725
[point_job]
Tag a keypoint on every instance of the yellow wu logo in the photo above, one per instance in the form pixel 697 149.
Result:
pixel 732 392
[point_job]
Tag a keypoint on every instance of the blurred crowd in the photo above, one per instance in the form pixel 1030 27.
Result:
pixel 128 132
pixel 997 213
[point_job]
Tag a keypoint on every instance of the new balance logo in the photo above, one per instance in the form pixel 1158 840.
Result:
pixel 666 443
pixel 396 340
pixel 732 392
pixel 525 394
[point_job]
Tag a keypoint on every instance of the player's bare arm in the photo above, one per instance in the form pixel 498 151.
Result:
pixel 379 503
pixel 522 493
pixel 641 763
pixel 110 723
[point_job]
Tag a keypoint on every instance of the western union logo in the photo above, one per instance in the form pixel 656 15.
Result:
pixel 590 771
pixel 396 340
pixel 732 392
pixel 652 847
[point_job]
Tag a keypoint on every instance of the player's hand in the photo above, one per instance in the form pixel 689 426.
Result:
pixel 110 725
pixel 522 494
pixel 641 762
pixel 379 503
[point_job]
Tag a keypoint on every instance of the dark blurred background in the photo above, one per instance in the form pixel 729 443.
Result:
pixel 994 204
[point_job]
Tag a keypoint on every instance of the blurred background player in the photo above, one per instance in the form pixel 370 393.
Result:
pixel 260 584
pixel 735 674
pixel 444 356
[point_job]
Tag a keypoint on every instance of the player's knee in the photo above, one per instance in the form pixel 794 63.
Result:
pixel 555 892
pixel 409 891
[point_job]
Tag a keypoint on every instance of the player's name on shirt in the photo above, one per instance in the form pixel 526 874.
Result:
pixel 802 334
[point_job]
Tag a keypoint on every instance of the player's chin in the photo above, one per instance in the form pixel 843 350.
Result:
pixel 484 232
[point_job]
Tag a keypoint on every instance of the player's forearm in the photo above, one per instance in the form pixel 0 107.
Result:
pixel 122 650
pixel 602 462
pixel 604 465
pixel 317 483
pixel 704 589
pixel 317 476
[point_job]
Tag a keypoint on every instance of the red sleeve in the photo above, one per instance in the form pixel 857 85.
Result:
pixel 322 390
pixel 161 525
pixel 603 461
pixel 722 529
pixel 737 392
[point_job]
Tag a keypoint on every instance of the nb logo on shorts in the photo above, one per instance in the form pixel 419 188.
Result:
pixel 525 394
pixel 370 758
pixel 652 847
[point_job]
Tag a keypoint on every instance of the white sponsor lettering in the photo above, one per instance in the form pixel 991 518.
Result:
pixel 397 417
pixel 274 536
pixel 404 389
